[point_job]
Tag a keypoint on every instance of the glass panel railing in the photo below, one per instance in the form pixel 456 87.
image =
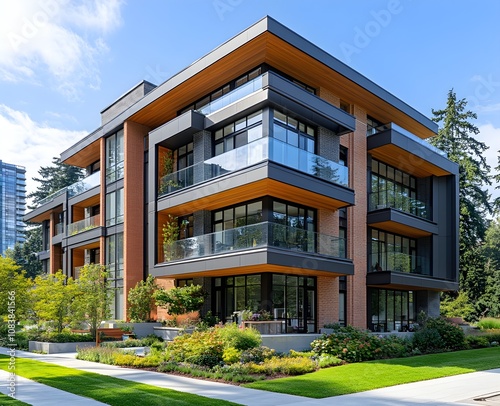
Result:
pixel 399 262
pixel 75 189
pixel 390 199
pixel 250 154
pixel 59 228
pixel 234 95
pixel 83 225
pixel 408 134
pixel 85 184
pixel 254 236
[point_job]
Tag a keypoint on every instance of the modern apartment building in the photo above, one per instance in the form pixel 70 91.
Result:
pixel 275 176
pixel 12 205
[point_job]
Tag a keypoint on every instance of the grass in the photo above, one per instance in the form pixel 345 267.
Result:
pixel 489 323
pixel 7 400
pixel 363 376
pixel 112 391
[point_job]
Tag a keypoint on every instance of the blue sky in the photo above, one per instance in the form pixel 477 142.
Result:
pixel 63 61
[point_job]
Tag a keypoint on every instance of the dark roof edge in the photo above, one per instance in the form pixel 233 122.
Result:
pixel 142 82
pixel 84 142
pixel 266 23
pixel 286 34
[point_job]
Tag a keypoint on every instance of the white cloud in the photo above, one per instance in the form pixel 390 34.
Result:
pixel 63 38
pixel 31 144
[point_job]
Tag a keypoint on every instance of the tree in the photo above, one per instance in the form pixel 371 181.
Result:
pixel 490 301
pixel 177 301
pixel 141 299
pixel 457 137
pixel 25 254
pixel 14 290
pixel 93 297
pixel 53 297
pixel 54 178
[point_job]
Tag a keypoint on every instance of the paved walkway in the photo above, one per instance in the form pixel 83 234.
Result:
pixel 456 390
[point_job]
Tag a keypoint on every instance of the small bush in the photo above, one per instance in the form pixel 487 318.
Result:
pixel 97 354
pixel 489 323
pixel 428 340
pixel 257 354
pixel 195 346
pixel 285 366
pixel 132 360
pixel 241 339
pixel 296 354
pixel 64 337
pixel 231 355
pixel 326 361
pixel 437 334
pixel 473 342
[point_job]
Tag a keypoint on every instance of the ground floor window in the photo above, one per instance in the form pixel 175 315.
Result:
pixel 289 298
pixel 391 310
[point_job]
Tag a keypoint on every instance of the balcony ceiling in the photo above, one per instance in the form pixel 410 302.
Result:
pixel 85 156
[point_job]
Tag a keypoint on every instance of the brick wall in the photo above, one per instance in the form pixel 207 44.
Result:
pixel 328 300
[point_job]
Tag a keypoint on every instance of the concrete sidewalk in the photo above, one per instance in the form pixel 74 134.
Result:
pixel 456 390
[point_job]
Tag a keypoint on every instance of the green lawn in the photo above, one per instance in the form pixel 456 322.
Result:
pixel 7 400
pixel 112 391
pixel 365 376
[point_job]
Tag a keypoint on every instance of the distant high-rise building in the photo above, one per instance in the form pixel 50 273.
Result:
pixel 12 205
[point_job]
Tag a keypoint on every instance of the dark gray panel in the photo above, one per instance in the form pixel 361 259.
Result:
pixel 84 237
pixel 401 218
pixel 179 131
pixel 412 281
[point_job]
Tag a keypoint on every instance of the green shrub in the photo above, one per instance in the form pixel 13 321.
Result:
pixel 477 342
pixel 285 366
pixel 132 360
pixel 428 340
pixel 97 354
pixel 489 323
pixel 64 337
pixel 200 347
pixel 326 361
pixel 231 355
pixel 394 347
pixel 296 354
pixel 241 339
pixel 257 354
pixel 437 334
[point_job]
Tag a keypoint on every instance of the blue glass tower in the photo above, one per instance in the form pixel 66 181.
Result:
pixel 12 205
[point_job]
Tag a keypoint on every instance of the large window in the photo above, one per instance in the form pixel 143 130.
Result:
pixel 115 156
pixel 185 156
pixel 293 132
pixel 114 263
pixel 238 133
pixel 114 207
pixel 391 310
pixel 391 252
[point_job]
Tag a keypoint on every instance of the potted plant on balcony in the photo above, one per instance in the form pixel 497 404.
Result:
pixel 167 168
pixel 170 233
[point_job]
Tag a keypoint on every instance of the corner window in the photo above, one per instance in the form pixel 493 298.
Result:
pixel 115 156
pixel 114 208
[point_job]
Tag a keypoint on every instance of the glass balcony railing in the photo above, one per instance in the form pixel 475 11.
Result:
pixel 75 189
pixel 390 199
pixel 83 225
pixel 389 126
pixel 234 95
pixel 264 234
pixel 85 184
pixel 399 262
pixel 59 228
pixel 250 154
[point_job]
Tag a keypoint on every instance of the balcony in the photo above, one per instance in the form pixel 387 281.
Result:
pixel 75 189
pixel 233 96
pixel 258 151
pixel 398 147
pixel 399 262
pixel 389 199
pixel 86 224
pixel 265 234
pixel 59 229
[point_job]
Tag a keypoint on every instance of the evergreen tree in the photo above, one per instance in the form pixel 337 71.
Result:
pixel 457 138
pixel 25 254
pixel 54 178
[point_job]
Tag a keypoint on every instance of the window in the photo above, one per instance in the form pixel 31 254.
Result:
pixel 345 106
pixel 239 133
pixel 371 125
pixel 114 208
pixel 185 156
pixel 114 263
pixel 391 310
pixel 392 252
pixel 343 154
pixel 114 157
pixel 184 282
pixel 293 132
